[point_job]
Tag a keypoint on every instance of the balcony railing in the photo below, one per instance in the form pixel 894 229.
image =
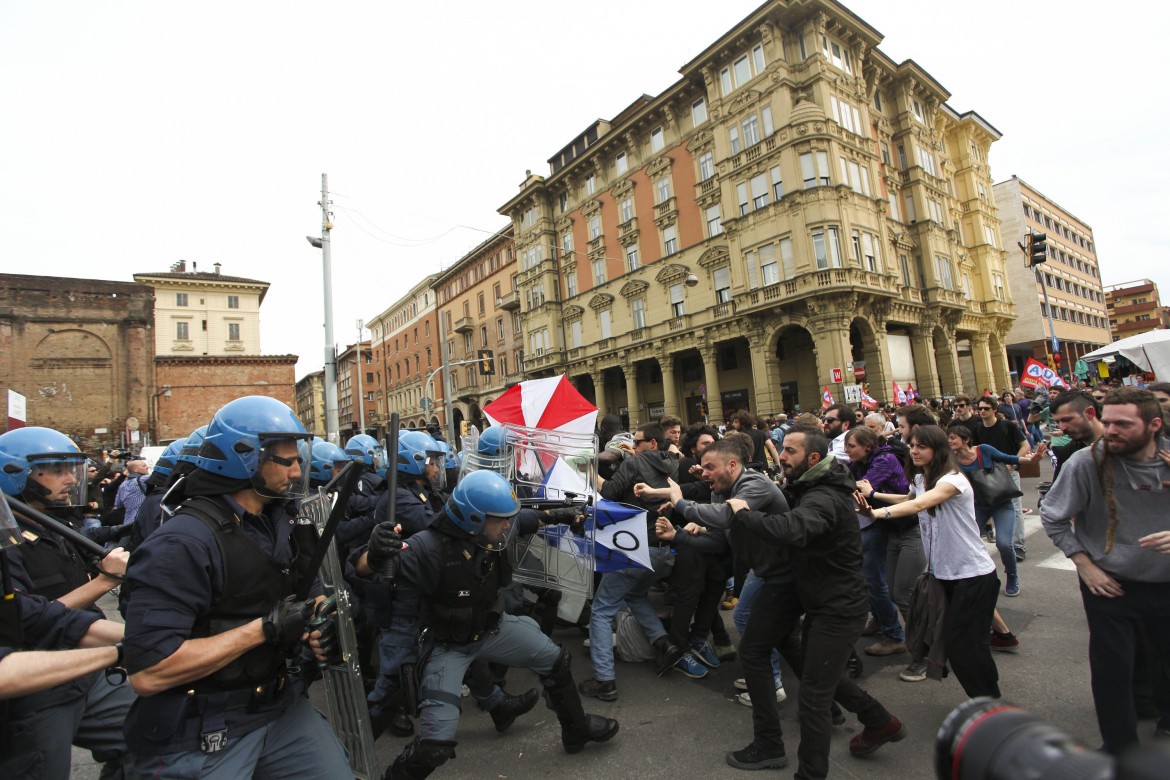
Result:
pixel 464 325
pixel 509 301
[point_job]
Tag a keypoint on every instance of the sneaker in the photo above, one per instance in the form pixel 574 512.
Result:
pixel 1004 643
pixel 740 684
pixel 705 655
pixel 915 672
pixel 690 666
pixel 745 698
pixel 885 647
pixel 871 627
pixel 1012 588
pixel 725 652
pixel 729 602
pixel 464 691
pixel 606 690
pixel 1021 553
pixel 751 757
pixel 870 740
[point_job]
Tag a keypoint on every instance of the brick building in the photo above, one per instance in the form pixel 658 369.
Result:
pixel 406 349
pixel 192 387
pixel 80 351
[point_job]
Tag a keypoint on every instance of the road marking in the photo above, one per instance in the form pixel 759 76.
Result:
pixel 1058 561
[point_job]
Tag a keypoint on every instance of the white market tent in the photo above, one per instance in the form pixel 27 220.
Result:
pixel 1149 351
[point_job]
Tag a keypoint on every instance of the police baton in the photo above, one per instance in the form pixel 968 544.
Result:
pixel 348 479
pixel 83 542
pixel 392 472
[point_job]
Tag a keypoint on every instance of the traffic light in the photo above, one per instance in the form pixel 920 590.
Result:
pixel 1056 362
pixel 486 362
pixel 463 427
pixel 1037 250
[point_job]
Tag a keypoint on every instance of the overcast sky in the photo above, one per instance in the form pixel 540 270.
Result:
pixel 139 133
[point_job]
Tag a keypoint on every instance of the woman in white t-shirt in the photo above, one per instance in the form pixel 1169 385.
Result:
pixel 943 499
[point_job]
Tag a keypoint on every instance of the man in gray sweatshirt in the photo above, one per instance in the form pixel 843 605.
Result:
pixel 1107 513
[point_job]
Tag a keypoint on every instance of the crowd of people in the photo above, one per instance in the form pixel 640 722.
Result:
pixel 813 532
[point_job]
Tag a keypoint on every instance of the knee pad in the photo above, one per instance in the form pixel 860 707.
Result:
pixel 561 673
pixel 430 753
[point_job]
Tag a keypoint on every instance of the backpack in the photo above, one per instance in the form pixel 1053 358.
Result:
pixel 631 643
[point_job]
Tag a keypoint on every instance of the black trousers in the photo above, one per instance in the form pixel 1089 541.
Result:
pixel 698 580
pixel 967 633
pixel 818 660
pixel 1113 635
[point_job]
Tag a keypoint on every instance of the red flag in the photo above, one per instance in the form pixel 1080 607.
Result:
pixel 826 398
pixel 899 394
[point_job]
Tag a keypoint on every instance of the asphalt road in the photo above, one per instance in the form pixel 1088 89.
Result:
pixel 673 727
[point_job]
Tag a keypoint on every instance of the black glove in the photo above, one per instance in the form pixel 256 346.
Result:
pixel 325 621
pixel 285 624
pixel 385 544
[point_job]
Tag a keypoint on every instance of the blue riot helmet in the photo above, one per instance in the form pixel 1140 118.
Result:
pixel 192 444
pixel 416 451
pixel 368 450
pixel 490 452
pixel 44 465
pixel 251 433
pixel 326 455
pixel 169 459
pixel 479 499
pixel 449 459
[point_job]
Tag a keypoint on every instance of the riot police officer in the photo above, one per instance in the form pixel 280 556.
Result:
pixel 46 470
pixel 368 450
pixel 328 460
pixel 421 476
pixel 454 571
pixel 213 613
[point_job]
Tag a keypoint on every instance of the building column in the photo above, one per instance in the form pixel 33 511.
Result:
pixel 877 366
pixel 981 357
pixel 925 367
pixel 599 393
pixel 711 380
pixel 669 391
pixel 831 336
pixel 765 375
pixel 633 402
pixel 999 364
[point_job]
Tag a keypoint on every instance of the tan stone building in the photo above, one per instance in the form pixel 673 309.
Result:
pixel 1071 277
pixel 355 389
pixel 310 404
pixel 205 313
pixel 1134 307
pixel 479 309
pixel 406 349
pixel 796 210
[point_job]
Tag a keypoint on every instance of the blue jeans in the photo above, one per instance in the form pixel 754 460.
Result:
pixel 1004 517
pixel 628 586
pixel 874 541
pixel 743 609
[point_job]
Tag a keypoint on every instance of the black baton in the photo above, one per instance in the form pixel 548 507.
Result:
pixel 82 541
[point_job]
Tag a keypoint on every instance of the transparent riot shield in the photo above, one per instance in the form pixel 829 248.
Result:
pixel 555 471
pixel 345 694
pixel 482 458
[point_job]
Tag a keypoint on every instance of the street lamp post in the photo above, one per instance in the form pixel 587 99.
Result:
pixel 322 243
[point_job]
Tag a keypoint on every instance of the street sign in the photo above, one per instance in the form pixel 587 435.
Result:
pixel 852 394
pixel 859 369
pixel 838 376
pixel 425 403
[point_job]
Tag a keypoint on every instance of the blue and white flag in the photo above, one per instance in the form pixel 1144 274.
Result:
pixel 619 537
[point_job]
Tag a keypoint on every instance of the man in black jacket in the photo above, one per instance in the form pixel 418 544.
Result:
pixel 823 541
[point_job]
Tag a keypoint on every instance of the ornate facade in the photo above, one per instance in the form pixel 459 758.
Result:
pixel 796 209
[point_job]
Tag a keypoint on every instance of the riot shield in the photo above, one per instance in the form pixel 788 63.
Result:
pixel 474 460
pixel 344 692
pixel 554 471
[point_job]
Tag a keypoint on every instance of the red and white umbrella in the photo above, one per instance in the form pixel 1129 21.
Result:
pixel 551 404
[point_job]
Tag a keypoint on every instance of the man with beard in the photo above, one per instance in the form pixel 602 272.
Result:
pixel 1107 513
pixel 822 538
pixel 1079 418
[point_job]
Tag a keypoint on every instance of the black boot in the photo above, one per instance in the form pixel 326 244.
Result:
pixel 419 759
pixel 399 723
pixel 505 713
pixel 667 654
pixel 577 728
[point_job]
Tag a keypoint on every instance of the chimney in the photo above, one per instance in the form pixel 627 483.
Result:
pixel 194 266
pixel 217 265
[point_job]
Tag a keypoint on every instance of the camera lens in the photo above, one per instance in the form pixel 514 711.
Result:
pixel 988 739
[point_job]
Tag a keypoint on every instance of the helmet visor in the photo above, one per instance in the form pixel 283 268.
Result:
pixel 9 533
pixel 56 480
pixel 283 469
pixel 497 532
pixel 436 469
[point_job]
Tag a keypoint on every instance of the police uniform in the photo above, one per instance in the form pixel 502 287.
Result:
pixel 456 584
pixel 415 504
pixel 88 711
pixel 210 568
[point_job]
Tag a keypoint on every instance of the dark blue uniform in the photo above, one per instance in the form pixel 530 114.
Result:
pixel 177 579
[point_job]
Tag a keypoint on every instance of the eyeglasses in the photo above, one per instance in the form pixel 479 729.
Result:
pixel 961 404
pixel 832 419
pixel 286 462
pixel 639 441
pixel 987 408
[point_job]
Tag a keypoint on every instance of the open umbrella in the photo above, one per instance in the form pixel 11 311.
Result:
pixel 551 404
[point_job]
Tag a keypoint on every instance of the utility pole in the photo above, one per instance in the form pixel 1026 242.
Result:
pixel 322 243
pixel 452 435
pixel 361 394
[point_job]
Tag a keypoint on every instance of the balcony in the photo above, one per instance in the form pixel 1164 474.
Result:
pixel 627 228
pixel 996 307
pixel 509 301
pixel 813 283
pixel 464 325
pixel 722 310
pixel 545 359
pixel 678 323
pixel 937 296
